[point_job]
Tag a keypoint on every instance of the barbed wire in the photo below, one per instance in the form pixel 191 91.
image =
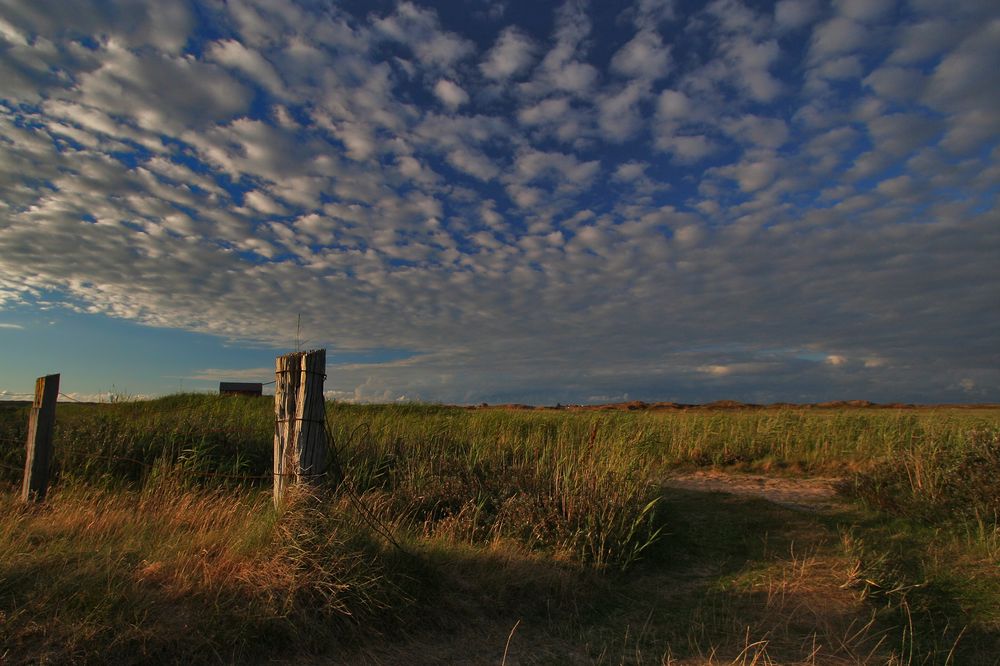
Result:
pixel 366 515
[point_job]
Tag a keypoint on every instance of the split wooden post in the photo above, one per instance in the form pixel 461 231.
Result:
pixel 39 455
pixel 299 420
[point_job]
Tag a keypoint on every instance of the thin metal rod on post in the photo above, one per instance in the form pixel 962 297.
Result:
pixel 39 454
pixel 299 420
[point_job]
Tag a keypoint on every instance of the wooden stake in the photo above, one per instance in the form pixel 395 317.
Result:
pixel 299 420
pixel 39 456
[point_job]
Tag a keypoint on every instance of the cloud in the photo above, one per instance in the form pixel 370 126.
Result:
pixel 619 117
pixel 562 67
pixel 630 171
pixel 511 55
pixel 794 14
pixel 649 14
pixel 919 42
pixel 420 30
pixel 758 131
pixel 837 36
pixel 13 327
pixel 263 374
pixel 505 204
pixel 896 83
pixel 450 94
pixel 159 92
pixel 753 62
pixel 473 163
pixel 644 57
pixel 963 85
pixel 562 169
pixel 232 53
pixel 864 10
pixel 725 370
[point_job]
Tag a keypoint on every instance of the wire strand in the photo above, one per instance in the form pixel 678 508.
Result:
pixel 366 514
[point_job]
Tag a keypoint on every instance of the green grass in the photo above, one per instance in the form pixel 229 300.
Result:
pixel 159 541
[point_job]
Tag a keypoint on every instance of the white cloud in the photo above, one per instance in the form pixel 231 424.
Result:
pixel 420 29
pixel 864 10
pixel 562 67
pixel 263 203
pixel 159 92
pixel 473 163
pixel 896 83
pixel 547 111
pixel 155 168
pixel 679 128
pixel 837 36
pixel 619 117
pixel 511 55
pixel 233 54
pixel 674 105
pixel 794 14
pixel 629 171
pixel 751 63
pixel 450 94
pixel 686 148
pixel 964 85
pixel 752 174
pixel 648 14
pixel 839 68
pixel 921 41
pixel 726 369
pixel 644 57
pixel 758 130
pixel 562 169
pixel 14 327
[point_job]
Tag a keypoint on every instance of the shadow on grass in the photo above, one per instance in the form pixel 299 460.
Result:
pixel 736 579
pixel 731 580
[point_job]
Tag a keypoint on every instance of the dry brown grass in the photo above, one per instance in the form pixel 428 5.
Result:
pixel 129 576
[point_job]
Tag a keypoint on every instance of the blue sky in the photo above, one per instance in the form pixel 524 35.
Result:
pixel 507 201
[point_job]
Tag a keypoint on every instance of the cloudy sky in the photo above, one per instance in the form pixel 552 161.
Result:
pixel 505 201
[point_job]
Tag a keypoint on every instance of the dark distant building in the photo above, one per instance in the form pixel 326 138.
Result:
pixel 240 388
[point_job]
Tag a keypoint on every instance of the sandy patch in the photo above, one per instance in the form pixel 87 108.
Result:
pixel 812 494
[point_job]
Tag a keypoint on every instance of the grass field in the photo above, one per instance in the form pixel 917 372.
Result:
pixel 492 535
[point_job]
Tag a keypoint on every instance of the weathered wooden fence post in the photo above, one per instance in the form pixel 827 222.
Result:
pixel 39 455
pixel 299 420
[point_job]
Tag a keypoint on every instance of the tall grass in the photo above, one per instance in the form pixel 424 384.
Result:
pixel 168 573
pixel 122 442
pixel 160 513
pixel 580 485
pixel 941 483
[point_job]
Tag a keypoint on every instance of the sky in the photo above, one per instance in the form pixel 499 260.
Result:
pixel 537 202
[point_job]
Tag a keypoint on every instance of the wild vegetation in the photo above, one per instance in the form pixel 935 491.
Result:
pixel 484 535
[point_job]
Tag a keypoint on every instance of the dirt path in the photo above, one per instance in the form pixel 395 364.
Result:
pixel 816 494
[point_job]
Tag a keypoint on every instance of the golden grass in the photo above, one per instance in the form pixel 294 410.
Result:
pixel 174 571
pixel 152 548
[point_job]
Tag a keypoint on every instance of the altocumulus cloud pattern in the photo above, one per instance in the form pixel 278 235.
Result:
pixel 526 200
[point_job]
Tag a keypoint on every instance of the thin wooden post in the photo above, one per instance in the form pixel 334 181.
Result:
pixel 299 420
pixel 39 455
